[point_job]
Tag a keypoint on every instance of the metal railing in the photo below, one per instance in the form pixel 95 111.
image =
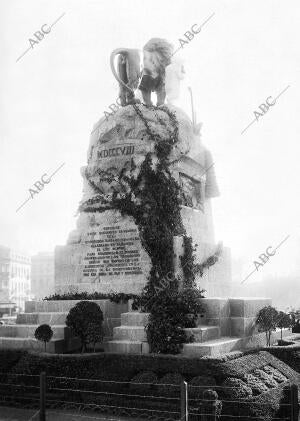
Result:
pixel 93 399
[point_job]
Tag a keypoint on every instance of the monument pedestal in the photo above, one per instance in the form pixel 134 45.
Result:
pixel 54 313
pixel 229 325
pixel 107 257
pixel 105 253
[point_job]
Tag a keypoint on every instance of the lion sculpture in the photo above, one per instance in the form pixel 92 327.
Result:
pixel 147 74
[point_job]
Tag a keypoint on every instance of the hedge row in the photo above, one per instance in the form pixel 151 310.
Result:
pixel 290 355
pixel 266 406
pixel 125 367
pixel 255 360
pixel 9 358
pixel 118 366
pixel 119 297
pixel 258 377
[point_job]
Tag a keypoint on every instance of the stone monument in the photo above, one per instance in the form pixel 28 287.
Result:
pixel 147 191
pixel 105 253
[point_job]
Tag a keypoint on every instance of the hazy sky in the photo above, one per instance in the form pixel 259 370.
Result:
pixel 50 98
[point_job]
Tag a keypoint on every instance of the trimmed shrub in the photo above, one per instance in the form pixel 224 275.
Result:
pixel 94 334
pixel 277 376
pixel 267 379
pixel 211 404
pixel 256 384
pixel 9 358
pixel 117 298
pixel 233 355
pixel 283 342
pixel 44 334
pixel 267 406
pixel 169 385
pixel 122 367
pixel 80 318
pixel 284 320
pixel 143 382
pixel 266 321
pixel 252 361
pixel 199 384
pixel 289 354
pixel 296 327
pixel 164 336
pixel 171 311
pixel 236 389
pixel 83 368
pixel 224 357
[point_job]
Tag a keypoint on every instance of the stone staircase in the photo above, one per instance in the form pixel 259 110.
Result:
pixel 27 331
pixel 56 318
pixel 21 335
pixel 54 313
pixel 131 336
pixel 228 324
pixel 203 333
pixel 213 347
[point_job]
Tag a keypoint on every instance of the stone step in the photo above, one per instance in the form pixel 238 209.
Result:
pixel 126 347
pixel 108 308
pixel 132 333
pixel 54 346
pixel 59 318
pixel 214 347
pixel 59 306
pixel 55 318
pixel 27 331
pixel 204 333
pixel 134 318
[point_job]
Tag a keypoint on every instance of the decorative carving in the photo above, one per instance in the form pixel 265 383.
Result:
pixel 192 192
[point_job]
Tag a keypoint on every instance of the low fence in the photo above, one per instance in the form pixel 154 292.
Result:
pixel 51 395
pixel 214 404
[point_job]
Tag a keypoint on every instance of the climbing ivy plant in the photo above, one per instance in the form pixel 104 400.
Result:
pixel 190 267
pixel 153 200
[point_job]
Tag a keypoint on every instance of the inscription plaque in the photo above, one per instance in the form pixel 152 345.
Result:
pixel 115 252
pixel 109 256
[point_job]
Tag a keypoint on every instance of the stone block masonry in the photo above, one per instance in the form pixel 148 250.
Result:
pixel 109 257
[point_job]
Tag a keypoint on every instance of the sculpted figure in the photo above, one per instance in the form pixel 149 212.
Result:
pixel 157 56
pixel 148 75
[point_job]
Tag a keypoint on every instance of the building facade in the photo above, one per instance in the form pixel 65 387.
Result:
pixel 14 276
pixel 42 274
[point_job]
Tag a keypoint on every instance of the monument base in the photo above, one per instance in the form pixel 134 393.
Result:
pixel 54 313
pixel 106 255
pixel 228 325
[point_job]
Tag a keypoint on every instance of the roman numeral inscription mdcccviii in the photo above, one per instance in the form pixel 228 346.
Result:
pixel 119 151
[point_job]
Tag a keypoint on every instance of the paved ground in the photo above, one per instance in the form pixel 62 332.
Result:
pixel 17 414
